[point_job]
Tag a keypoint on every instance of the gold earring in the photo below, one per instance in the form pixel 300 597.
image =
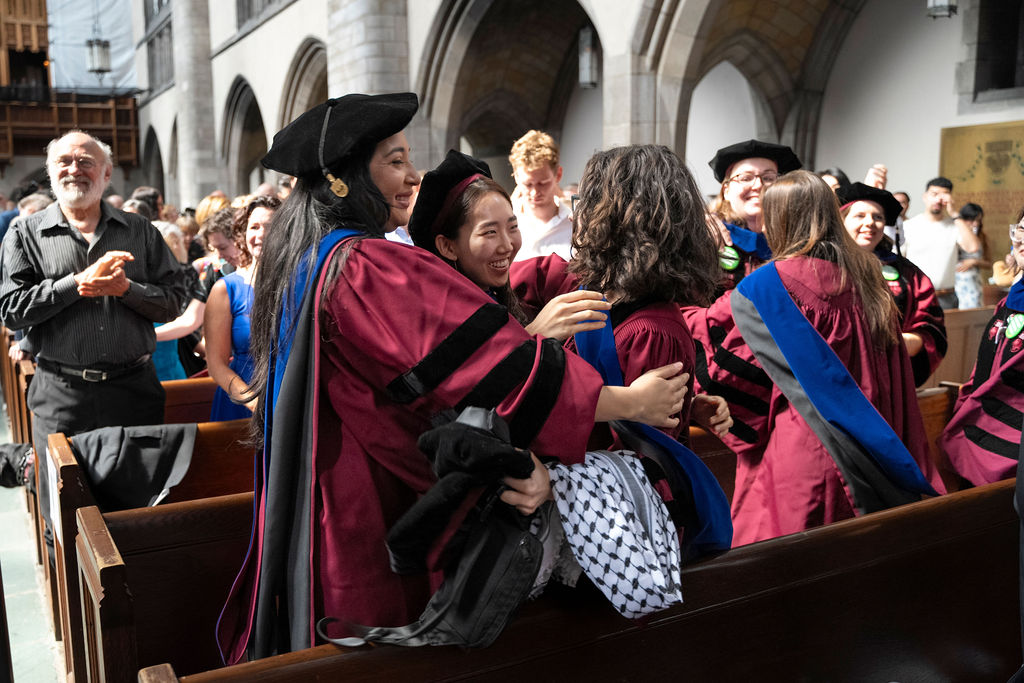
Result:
pixel 338 186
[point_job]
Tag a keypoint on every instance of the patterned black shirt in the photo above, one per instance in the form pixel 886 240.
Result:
pixel 41 254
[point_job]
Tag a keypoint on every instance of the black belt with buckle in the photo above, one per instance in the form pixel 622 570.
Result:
pixel 92 374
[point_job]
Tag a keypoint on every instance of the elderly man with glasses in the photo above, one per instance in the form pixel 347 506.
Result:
pixel 87 282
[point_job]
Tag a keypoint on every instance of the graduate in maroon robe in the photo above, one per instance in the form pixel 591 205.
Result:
pixel 745 169
pixel 359 343
pixel 866 211
pixel 642 241
pixel 983 437
pixel 786 480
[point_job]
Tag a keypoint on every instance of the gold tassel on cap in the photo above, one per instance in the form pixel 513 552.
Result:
pixel 338 186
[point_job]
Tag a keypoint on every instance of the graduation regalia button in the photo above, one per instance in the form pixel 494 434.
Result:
pixel 1014 325
pixel 890 273
pixel 729 258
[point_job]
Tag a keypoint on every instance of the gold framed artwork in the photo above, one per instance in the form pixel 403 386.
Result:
pixel 986 165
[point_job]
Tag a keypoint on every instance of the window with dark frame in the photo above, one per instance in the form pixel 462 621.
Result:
pixel 1000 49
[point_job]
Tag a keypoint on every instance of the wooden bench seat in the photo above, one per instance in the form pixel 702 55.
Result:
pixel 221 464
pixel 923 592
pixel 153 581
pixel 188 400
pixel 887 595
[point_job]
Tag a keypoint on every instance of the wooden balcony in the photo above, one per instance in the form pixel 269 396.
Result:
pixel 26 127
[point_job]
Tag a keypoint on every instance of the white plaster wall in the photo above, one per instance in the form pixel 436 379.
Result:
pixel 263 59
pixel 712 125
pixel 581 132
pixel 223 21
pixel 421 15
pixel 891 92
pixel 615 22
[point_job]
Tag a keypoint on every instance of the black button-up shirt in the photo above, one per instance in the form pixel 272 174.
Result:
pixel 41 254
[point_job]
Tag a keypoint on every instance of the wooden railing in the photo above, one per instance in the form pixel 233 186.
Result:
pixel 26 127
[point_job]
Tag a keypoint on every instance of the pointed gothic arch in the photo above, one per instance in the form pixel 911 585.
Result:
pixel 244 138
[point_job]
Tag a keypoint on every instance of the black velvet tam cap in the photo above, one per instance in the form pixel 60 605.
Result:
pixel 855 192
pixel 320 140
pixel 782 155
pixel 439 191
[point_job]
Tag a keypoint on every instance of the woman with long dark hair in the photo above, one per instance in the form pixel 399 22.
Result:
pixel 358 345
pixel 807 342
pixel 866 211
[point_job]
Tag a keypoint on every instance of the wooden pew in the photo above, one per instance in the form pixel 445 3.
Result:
pixel 154 580
pixel 717 456
pixel 936 409
pixel 963 331
pixel 188 400
pixel 221 464
pixel 924 592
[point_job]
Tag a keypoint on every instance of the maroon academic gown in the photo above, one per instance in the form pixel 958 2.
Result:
pixel 785 479
pixel 390 305
pixel 982 439
pixel 647 336
pixel 920 313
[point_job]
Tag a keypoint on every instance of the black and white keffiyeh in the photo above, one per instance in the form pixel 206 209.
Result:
pixel 620 531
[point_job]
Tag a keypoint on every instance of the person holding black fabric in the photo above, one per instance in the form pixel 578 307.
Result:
pixel 795 469
pixel 358 344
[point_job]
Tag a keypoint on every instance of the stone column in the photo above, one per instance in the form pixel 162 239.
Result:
pixel 193 82
pixel 367 47
pixel 368 52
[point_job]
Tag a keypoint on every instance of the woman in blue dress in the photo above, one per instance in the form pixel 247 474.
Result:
pixel 226 323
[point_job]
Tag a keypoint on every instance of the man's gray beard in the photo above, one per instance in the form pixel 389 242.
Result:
pixel 73 198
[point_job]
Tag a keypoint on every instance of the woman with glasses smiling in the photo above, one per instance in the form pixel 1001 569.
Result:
pixel 982 439
pixel 745 170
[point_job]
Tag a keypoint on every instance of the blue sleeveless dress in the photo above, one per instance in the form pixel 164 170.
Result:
pixel 240 298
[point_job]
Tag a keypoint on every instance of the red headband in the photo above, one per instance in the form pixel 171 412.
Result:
pixel 449 201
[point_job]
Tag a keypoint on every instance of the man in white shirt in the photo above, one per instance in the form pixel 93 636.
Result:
pixel 932 239
pixel 545 220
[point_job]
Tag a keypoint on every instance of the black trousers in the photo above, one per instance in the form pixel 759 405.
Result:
pixel 60 403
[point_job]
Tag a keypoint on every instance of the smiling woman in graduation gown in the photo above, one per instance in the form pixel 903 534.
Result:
pixel 787 480
pixel 358 344
pixel 866 210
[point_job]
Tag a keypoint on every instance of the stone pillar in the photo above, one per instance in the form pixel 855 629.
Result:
pixel 367 47
pixel 193 82
pixel 368 52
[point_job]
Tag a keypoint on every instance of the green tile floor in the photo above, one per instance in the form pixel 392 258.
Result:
pixel 38 658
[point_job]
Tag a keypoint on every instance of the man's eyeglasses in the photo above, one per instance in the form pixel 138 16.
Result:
pixel 84 163
pixel 747 178
pixel 1017 233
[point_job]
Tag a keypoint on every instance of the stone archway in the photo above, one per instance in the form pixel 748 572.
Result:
pixel 244 139
pixel 152 161
pixel 496 69
pixel 785 56
pixel 306 83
